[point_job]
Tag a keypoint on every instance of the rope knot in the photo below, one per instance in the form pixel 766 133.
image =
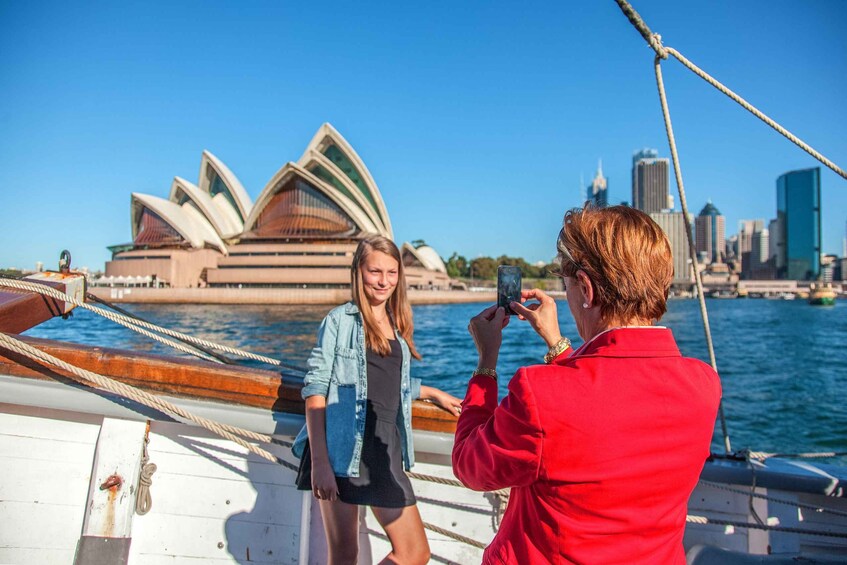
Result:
pixel 144 501
pixel 656 44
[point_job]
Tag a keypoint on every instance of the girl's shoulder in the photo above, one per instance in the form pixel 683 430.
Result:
pixel 348 308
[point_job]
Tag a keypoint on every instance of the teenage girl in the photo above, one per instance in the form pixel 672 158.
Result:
pixel 357 441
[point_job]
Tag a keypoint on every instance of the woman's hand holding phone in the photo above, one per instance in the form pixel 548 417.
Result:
pixel 543 315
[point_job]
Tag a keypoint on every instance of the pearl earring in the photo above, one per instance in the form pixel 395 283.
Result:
pixel 585 304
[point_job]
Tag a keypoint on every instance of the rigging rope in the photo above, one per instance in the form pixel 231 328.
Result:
pixel 662 52
pixel 232 433
pixel 769 498
pixel 138 325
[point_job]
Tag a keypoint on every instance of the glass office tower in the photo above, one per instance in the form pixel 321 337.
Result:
pixel 798 210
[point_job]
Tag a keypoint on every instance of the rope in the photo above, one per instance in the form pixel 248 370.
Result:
pixel 92 298
pixel 455 536
pixel 762 455
pixel 702 520
pixel 137 325
pixel 756 112
pixel 662 52
pixel 450 482
pixel 654 40
pixel 144 500
pixel 688 232
pixel 225 431
pixel 769 498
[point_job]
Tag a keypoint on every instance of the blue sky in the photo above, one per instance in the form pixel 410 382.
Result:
pixel 476 119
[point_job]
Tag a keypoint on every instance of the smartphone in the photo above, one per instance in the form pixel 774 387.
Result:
pixel 508 286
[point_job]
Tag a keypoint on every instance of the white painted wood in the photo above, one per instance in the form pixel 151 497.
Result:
pixel 213 502
pixel 45 468
pixel 109 512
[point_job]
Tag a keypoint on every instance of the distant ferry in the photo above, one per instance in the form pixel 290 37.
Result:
pixel 821 294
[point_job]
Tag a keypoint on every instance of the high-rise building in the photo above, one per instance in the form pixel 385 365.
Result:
pixel 775 243
pixel 844 242
pixel 798 211
pixel 673 224
pixel 650 192
pixel 747 233
pixel 598 189
pixel 710 230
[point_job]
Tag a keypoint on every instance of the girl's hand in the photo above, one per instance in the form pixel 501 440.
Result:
pixel 542 315
pixel 443 399
pixel 324 486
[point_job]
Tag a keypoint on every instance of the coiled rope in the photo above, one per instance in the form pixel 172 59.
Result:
pixel 143 498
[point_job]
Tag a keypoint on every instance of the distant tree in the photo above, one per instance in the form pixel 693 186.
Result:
pixel 457 266
pixel 484 268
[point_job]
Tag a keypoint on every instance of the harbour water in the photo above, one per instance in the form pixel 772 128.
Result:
pixel 783 364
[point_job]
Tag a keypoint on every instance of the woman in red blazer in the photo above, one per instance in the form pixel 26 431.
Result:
pixel 601 446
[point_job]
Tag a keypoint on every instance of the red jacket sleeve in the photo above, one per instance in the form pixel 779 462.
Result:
pixel 498 446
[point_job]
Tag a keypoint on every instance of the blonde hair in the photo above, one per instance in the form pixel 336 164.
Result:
pixel 398 304
pixel 625 254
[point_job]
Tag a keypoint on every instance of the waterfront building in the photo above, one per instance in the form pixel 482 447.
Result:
pixel 650 182
pixel 798 209
pixel 750 246
pixel 761 264
pixel 710 231
pixel 301 232
pixel 673 224
pixel 598 189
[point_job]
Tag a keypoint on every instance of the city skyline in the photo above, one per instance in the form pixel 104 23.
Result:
pixel 474 122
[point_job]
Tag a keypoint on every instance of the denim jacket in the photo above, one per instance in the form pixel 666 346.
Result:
pixel 338 371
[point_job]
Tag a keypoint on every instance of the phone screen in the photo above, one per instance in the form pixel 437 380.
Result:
pixel 508 286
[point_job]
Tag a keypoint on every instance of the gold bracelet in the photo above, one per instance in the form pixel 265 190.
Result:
pixel 558 348
pixel 485 371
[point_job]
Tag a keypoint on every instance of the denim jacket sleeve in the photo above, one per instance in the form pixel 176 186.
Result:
pixel 416 388
pixel 316 381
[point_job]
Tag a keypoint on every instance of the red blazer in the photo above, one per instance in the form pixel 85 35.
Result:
pixel 601 449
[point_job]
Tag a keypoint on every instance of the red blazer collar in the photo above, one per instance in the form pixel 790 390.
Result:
pixel 628 342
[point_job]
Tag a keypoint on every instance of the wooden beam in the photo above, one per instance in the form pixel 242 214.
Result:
pixel 21 310
pixel 178 376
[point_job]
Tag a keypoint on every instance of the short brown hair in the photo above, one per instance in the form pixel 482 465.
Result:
pixel 398 304
pixel 626 255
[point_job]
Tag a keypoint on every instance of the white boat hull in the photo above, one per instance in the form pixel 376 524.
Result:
pixel 213 502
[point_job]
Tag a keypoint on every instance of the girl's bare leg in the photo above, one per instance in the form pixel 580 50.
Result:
pixel 341 524
pixel 405 530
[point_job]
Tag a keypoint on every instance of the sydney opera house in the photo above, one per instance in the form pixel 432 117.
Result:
pixel 300 233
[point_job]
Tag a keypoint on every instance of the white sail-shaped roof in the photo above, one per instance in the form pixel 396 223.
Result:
pixel 431 259
pixel 325 201
pixel 328 142
pixel 224 188
pixel 426 256
pixel 188 222
pixel 183 192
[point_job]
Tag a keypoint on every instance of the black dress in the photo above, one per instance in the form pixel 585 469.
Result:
pixel 382 481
